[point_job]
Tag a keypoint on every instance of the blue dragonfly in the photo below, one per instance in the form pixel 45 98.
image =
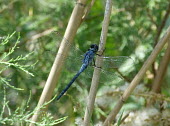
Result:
pixel 83 61
pixel 88 58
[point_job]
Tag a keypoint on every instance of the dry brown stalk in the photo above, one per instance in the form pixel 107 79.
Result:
pixel 137 78
pixel 96 74
pixel 73 25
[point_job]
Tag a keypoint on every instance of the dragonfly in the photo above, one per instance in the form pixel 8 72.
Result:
pixel 88 58
pixel 85 59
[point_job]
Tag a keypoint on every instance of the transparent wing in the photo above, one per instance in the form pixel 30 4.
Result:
pixel 116 62
pixel 115 69
pixel 72 63
pixel 74 59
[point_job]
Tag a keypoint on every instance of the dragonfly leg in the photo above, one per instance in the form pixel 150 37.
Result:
pixel 94 65
pixel 101 53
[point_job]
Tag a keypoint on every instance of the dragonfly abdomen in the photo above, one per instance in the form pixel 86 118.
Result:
pixel 83 67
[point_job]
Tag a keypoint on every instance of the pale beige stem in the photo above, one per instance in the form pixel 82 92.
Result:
pixel 137 78
pixel 88 9
pixel 96 74
pixel 74 23
pixel 156 87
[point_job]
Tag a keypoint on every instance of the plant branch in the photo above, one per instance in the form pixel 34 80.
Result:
pixel 88 9
pixel 157 83
pixel 73 25
pixel 124 77
pixel 96 74
pixel 160 28
pixel 137 78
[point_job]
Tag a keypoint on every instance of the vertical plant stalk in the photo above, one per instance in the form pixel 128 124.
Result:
pixel 156 86
pixel 159 30
pixel 157 83
pixel 74 23
pixel 137 78
pixel 96 74
pixel 88 9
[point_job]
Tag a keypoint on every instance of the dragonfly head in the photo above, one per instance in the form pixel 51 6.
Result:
pixel 94 47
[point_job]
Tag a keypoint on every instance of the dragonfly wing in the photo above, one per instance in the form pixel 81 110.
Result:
pixel 117 62
pixel 114 68
pixel 74 59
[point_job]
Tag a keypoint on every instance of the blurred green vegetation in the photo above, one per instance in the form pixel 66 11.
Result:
pixel 133 27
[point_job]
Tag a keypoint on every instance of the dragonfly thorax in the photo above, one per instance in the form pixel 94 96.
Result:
pixel 94 48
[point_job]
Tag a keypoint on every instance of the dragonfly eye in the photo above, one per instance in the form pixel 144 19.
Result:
pixel 94 46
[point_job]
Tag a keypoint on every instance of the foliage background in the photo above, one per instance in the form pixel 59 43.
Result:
pixel 133 27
